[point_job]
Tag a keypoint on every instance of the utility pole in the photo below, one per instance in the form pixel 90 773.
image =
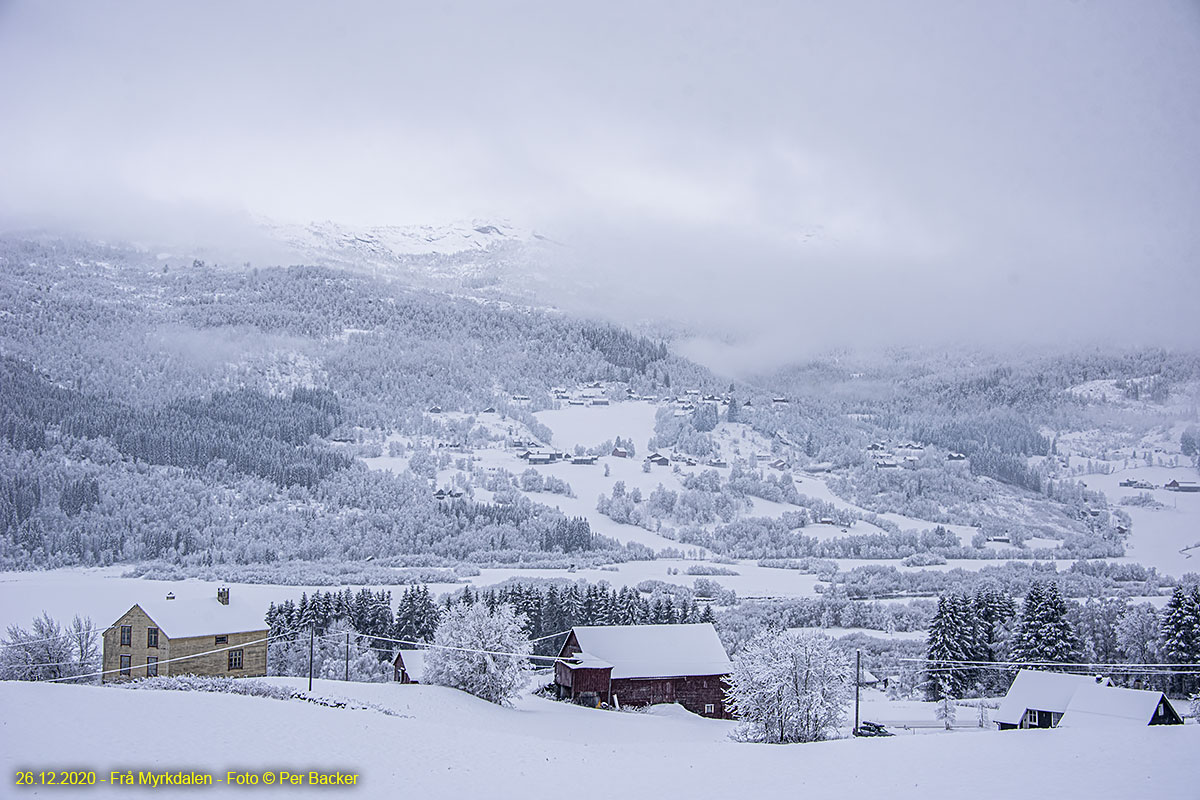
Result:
pixel 312 634
pixel 857 683
pixel 347 655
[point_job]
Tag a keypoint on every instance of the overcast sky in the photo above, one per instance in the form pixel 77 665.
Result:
pixel 1009 164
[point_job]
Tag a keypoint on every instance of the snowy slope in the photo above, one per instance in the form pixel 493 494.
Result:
pixel 449 745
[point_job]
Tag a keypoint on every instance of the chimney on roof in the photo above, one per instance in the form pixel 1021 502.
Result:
pixel 223 596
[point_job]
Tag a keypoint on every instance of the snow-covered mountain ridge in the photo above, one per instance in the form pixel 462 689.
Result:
pixel 486 259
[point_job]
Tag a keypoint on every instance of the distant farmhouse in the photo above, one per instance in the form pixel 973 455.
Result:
pixel 199 636
pixel 1182 486
pixel 1040 699
pixel 408 666
pixel 641 665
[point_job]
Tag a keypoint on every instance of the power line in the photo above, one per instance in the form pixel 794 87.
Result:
pixel 427 645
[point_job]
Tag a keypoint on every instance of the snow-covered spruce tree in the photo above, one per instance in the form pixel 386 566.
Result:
pixel 1044 634
pixel 949 640
pixel 789 687
pixel 946 712
pixel 1180 634
pixel 480 651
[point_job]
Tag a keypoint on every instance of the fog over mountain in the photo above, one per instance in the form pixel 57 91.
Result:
pixel 780 178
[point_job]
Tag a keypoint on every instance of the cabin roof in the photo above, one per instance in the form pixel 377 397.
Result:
pixel 653 651
pixel 204 616
pixel 1094 706
pixel 1043 691
pixel 414 663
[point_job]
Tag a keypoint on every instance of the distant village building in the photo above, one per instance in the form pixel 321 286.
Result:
pixel 199 636
pixel 640 665
pixel 956 457
pixel 583 459
pixel 620 452
pixel 600 401
pixel 1040 699
pixel 408 666
pixel 435 409
pixel 658 459
pixel 1182 486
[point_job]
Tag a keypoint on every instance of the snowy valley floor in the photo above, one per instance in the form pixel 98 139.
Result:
pixel 449 745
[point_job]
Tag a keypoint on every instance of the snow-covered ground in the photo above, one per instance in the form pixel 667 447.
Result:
pixel 1160 537
pixel 445 744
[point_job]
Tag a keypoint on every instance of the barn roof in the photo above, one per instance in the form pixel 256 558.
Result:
pixel 1098 706
pixel 583 660
pixel 414 663
pixel 654 651
pixel 1043 691
pixel 204 616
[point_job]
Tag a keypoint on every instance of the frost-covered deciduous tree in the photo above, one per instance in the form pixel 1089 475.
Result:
pixel 1137 634
pixel 481 651
pixel 48 652
pixel 789 687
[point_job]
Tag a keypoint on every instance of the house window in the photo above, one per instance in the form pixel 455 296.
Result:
pixel 126 664
pixel 235 659
pixel 222 640
pixel 710 708
pixel 151 667
pixel 151 637
pixel 126 635
pixel 1161 711
pixel 1031 718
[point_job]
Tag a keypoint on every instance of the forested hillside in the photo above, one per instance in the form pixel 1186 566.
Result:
pixel 179 412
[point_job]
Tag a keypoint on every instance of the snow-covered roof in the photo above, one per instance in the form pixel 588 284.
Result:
pixel 1095 706
pixel 1042 691
pixel 867 677
pixel 414 664
pixel 204 616
pixel 586 661
pixel 652 651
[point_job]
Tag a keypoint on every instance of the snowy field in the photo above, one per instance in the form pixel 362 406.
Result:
pixel 445 744
pixel 1161 537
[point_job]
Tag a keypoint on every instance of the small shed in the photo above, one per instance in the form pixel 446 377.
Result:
pixel 409 666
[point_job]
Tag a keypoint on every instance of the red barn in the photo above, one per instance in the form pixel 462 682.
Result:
pixel 641 665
